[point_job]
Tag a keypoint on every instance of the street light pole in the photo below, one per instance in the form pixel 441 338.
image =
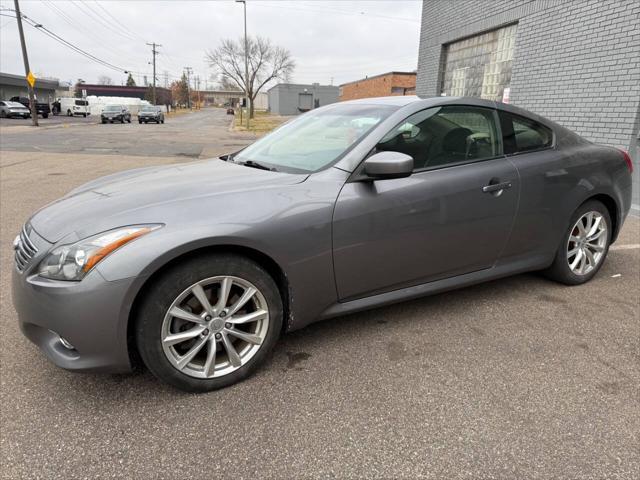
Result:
pixel 27 70
pixel 246 62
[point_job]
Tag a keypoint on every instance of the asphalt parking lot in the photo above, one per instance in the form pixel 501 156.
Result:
pixel 517 378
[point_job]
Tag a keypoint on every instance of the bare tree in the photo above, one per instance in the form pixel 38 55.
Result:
pixel 267 63
pixel 105 80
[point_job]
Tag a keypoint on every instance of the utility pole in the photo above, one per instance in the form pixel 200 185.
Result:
pixel 188 69
pixel 27 70
pixel 246 62
pixel 154 52
pixel 198 88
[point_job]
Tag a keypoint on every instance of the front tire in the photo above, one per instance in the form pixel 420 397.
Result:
pixel 584 245
pixel 209 322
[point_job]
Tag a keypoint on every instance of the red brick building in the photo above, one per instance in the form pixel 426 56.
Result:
pixel 383 85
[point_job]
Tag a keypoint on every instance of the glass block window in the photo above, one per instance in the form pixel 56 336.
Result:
pixel 480 66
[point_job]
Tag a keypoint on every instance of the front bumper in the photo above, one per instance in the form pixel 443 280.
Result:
pixel 88 314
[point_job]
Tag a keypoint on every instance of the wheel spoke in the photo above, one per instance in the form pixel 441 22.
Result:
pixel 594 227
pixel 187 357
pixel 590 257
pixel 210 363
pixel 595 236
pixel 589 221
pixel 184 315
pixel 595 247
pixel 234 358
pixel 249 317
pixel 581 228
pixel 583 263
pixel 182 336
pixel 223 295
pixel 571 253
pixel 574 239
pixel 246 296
pixel 199 293
pixel 576 260
pixel 247 337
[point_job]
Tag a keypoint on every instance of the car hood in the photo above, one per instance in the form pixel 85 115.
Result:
pixel 149 195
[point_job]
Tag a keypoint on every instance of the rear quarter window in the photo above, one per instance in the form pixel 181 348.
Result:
pixel 522 134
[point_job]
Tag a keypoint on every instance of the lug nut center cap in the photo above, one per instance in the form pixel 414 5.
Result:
pixel 217 324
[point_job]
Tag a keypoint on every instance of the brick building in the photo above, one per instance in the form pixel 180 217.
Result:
pixel 575 62
pixel 383 85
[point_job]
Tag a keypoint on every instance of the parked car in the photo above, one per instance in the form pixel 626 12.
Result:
pixel 42 108
pixel 231 111
pixel 71 106
pixel 115 113
pixel 13 109
pixel 150 113
pixel 200 267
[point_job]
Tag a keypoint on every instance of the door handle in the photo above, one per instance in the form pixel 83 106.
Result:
pixel 495 187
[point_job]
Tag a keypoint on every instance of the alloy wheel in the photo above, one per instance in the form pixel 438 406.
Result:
pixel 587 243
pixel 215 326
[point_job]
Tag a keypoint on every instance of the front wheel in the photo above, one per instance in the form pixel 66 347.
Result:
pixel 209 322
pixel 584 246
pixel 45 115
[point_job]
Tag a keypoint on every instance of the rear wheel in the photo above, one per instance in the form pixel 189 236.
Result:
pixel 45 115
pixel 209 322
pixel 584 246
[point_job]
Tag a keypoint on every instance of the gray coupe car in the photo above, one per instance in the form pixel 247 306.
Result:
pixel 200 267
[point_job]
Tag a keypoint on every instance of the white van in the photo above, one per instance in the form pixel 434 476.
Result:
pixel 72 106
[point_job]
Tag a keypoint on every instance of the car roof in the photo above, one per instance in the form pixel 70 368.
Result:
pixel 415 103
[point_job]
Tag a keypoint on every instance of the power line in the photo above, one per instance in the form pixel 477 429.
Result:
pixel 117 22
pixel 76 26
pixel 57 38
pixel 91 13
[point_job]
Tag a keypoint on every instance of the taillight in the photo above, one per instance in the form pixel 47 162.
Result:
pixel 627 158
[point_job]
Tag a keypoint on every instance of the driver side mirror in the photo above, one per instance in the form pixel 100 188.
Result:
pixel 387 165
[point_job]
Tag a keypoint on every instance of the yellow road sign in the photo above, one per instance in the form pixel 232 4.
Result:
pixel 31 78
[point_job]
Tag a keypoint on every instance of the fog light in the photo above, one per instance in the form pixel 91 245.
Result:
pixel 65 343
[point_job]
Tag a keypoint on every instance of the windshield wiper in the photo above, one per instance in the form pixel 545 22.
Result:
pixel 252 164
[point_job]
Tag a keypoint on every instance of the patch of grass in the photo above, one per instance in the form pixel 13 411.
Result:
pixel 178 111
pixel 261 124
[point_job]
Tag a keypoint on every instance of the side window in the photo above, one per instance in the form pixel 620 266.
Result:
pixel 442 136
pixel 522 134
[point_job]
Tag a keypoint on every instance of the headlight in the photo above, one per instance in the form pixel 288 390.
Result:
pixel 73 262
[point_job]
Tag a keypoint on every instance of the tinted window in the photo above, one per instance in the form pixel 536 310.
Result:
pixel 523 134
pixel 445 135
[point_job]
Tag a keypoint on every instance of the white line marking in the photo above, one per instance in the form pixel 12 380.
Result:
pixel 616 275
pixel 630 246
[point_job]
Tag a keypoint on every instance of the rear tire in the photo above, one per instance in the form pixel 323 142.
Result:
pixel 45 115
pixel 175 290
pixel 582 253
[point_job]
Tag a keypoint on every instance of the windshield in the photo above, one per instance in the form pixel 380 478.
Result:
pixel 316 139
pixel 148 109
pixel 112 108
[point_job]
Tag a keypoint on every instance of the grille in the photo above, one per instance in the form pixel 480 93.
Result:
pixel 25 250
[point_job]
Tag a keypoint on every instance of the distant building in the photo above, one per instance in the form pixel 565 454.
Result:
pixel 383 85
pixel 293 99
pixel 16 85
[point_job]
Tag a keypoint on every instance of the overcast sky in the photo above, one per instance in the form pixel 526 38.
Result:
pixel 335 41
